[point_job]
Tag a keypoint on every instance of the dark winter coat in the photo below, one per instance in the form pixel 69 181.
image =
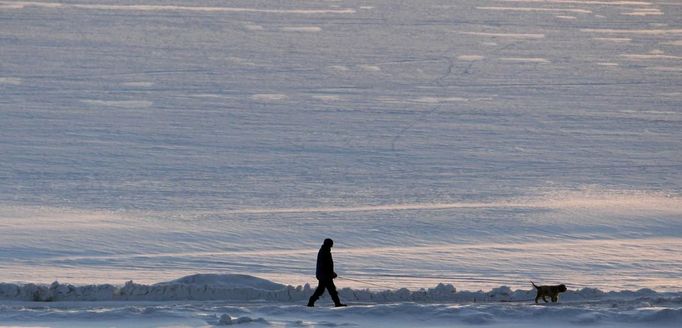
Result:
pixel 325 264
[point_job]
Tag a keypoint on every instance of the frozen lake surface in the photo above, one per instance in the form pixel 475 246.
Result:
pixel 474 143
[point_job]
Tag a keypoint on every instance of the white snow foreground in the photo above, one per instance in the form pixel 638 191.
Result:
pixel 237 287
pixel 232 299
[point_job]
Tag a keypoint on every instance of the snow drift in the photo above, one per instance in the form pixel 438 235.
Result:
pixel 270 304
pixel 237 287
pixel 235 281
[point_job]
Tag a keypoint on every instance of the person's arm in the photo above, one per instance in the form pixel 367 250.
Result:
pixel 331 266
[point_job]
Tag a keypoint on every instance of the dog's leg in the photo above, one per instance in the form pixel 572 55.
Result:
pixel 536 299
pixel 543 298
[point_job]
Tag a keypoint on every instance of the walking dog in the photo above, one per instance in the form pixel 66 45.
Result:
pixel 551 291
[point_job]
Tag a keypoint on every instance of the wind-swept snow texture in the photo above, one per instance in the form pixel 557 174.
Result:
pixel 473 143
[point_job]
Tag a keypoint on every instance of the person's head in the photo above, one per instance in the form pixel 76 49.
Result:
pixel 328 243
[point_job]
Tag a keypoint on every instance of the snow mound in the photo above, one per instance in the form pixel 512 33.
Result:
pixel 227 320
pixel 225 281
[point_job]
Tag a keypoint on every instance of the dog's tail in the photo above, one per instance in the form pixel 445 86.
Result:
pixel 536 287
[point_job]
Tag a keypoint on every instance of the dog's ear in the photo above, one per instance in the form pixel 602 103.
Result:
pixel 562 288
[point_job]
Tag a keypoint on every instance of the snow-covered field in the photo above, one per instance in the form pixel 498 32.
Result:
pixel 205 300
pixel 473 143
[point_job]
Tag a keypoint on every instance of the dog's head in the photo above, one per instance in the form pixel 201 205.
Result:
pixel 562 288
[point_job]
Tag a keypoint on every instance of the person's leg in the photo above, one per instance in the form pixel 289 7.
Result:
pixel 318 292
pixel 333 293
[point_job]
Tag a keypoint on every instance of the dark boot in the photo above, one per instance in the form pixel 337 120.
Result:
pixel 337 302
pixel 311 302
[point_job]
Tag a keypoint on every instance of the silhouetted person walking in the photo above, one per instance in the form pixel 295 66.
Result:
pixel 325 274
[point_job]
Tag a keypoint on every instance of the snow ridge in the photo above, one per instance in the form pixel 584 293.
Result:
pixel 233 287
